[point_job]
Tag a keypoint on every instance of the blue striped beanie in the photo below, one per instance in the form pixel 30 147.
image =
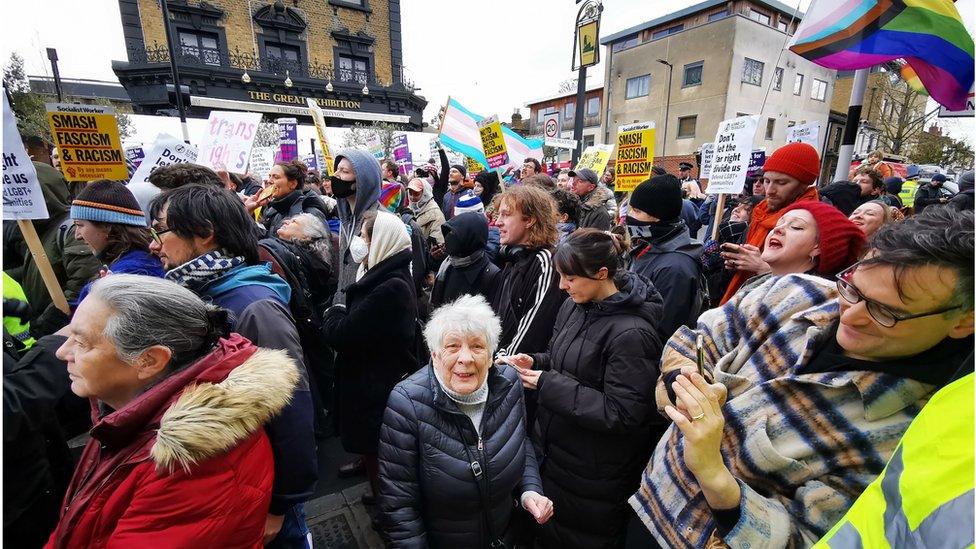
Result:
pixel 468 202
pixel 107 201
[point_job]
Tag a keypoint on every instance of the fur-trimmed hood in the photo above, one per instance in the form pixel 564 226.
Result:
pixel 597 198
pixel 206 408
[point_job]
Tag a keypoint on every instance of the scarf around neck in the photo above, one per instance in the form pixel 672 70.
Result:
pixel 200 270
pixel 655 233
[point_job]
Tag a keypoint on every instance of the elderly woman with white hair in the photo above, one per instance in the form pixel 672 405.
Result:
pixel 454 450
pixel 177 456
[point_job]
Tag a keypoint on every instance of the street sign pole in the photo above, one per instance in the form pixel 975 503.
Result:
pixel 586 52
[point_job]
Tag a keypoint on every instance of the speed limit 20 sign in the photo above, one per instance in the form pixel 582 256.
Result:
pixel 550 125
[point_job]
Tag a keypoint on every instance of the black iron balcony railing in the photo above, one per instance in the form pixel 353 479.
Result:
pixel 193 56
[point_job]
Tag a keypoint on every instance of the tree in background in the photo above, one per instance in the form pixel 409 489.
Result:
pixel 29 109
pixel 902 118
pixel 942 150
pixel 360 136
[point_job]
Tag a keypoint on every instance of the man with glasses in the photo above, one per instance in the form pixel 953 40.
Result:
pixel 207 243
pixel 805 388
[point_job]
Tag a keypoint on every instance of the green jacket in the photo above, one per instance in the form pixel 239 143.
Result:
pixel 72 260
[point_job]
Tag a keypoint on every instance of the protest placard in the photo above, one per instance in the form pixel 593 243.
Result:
pixel 134 155
pixel 311 160
pixel 262 160
pixel 804 133
pixel 87 137
pixel 375 146
pixel 166 150
pixel 707 157
pixel 596 158
pixel 474 167
pixel 635 155
pixel 733 148
pixel 493 142
pixel 287 138
pixel 227 140
pixel 757 159
pixel 22 196
pixel 324 154
pixel 401 153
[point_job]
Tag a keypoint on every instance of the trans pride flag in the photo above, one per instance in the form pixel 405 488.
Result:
pixel 460 133
pixel 928 34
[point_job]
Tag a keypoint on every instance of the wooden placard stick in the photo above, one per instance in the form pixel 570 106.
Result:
pixel 43 264
pixel 719 212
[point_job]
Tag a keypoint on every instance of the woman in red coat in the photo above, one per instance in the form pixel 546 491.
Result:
pixel 178 456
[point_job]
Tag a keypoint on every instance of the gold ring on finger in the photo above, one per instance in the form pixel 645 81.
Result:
pixel 699 416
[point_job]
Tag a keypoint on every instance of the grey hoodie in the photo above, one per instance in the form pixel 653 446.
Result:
pixel 368 180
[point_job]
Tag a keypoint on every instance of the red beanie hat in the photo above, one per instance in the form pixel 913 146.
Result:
pixel 798 160
pixel 841 242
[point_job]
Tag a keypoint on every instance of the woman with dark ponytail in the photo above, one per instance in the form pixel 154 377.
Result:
pixel 288 197
pixel 596 421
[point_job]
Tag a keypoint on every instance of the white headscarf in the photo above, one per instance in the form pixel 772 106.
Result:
pixel 389 238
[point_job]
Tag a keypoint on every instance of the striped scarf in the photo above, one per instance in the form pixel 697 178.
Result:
pixel 197 272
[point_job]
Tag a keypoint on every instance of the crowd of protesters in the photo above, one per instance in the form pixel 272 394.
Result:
pixel 533 362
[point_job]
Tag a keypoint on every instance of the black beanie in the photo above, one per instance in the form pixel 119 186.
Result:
pixel 659 196
pixel 461 168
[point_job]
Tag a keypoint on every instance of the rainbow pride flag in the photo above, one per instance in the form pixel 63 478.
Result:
pixel 911 78
pixel 928 34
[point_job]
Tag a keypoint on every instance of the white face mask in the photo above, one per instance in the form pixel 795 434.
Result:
pixel 358 249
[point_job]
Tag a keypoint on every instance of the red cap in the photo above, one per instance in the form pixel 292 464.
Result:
pixel 841 242
pixel 798 160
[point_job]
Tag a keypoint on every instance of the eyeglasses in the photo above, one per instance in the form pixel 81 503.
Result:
pixel 157 235
pixel 882 314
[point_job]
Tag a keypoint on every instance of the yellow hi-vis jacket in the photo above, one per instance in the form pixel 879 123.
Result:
pixel 18 328
pixel 924 497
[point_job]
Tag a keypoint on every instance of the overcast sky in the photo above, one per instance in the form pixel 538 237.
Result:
pixel 493 56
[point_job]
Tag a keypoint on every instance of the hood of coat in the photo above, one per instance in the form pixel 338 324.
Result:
pixel 53 188
pixel 680 242
pixel 208 407
pixel 245 275
pixel 466 234
pixel 636 295
pixel 597 198
pixel 368 182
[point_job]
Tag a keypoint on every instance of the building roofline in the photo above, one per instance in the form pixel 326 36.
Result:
pixel 42 78
pixel 589 88
pixel 682 13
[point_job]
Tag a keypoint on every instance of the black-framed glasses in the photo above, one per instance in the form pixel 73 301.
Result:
pixel 158 234
pixel 881 313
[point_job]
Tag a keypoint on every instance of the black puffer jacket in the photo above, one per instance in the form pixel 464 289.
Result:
pixel 374 342
pixel 596 422
pixel 428 493
pixel 468 270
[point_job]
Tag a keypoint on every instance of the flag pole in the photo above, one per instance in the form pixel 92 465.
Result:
pixel 846 152
pixel 440 126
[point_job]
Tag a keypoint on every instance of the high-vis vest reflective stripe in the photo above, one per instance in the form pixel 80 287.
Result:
pixel 18 328
pixel 924 498
pixel 907 194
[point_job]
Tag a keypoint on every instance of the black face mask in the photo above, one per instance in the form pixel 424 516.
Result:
pixel 634 222
pixel 342 188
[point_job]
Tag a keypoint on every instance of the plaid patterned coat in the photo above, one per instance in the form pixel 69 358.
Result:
pixel 802 446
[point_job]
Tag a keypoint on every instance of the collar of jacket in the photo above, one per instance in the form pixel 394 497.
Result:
pixel 883 394
pixel 498 387
pixel 207 407
pixel 382 271
pixel 284 204
pixel 595 198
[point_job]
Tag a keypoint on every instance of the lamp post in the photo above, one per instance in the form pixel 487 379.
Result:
pixel 176 71
pixel 667 107
pixel 52 55
pixel 586 52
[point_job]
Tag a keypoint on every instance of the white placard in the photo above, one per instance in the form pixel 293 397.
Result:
pixel 804 133
pixel 166 150
pixel 22 196
pixel 707 157
pixel 733 148
pixel 262 160
pixel 561 143
pixel 227 140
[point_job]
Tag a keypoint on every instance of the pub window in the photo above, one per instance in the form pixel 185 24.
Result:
pixel 686 126
pixel 282 52
pixel 202 45
pixel 353 69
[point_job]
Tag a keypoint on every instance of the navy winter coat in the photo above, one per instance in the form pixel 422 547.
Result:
pixel 428 493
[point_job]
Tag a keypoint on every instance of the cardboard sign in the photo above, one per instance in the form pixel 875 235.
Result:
pixel 262 160
pixel 165 151
pixel 635 155
pixel 401 154
pixel 324 154
pixel 87 137
pixel 596 158
pixel 135 155
pixel 22 196
pixel 804 133
pixel 757 159
pixel 228 139
pixel 707 157
pixel 733 149
pixel 493 142
pixel 288 138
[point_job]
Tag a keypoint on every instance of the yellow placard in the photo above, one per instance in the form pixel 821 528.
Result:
pixel 596 158
pixel 635 155
pixel 87 137
pixel 319 119
pixel 586 42
pixel 493 142
pixel 474 167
